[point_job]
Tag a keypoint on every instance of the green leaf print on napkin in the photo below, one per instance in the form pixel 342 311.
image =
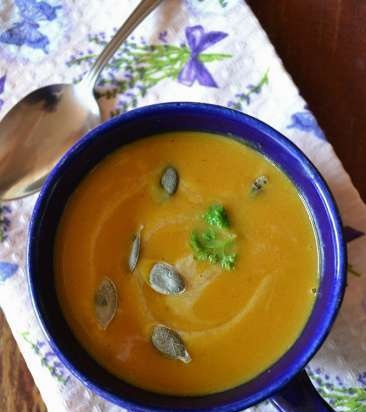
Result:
pixel 222 3
pixel 337 393
pixel 246 97
pixel 48 359
pixel 138 66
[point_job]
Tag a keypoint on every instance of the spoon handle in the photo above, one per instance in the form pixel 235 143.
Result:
pixel 138 15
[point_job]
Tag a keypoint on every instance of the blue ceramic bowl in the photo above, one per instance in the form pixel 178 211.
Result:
pixel 98 143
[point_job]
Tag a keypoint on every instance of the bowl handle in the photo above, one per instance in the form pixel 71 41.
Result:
pixel 299 395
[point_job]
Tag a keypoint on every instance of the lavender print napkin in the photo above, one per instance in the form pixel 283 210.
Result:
pixel 198 50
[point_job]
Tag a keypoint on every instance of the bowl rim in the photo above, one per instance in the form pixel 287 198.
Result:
pixel 339 283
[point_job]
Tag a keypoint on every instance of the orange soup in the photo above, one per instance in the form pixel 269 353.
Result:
pixel 186 263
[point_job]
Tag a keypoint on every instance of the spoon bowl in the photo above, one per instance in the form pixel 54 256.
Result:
pixel 38 130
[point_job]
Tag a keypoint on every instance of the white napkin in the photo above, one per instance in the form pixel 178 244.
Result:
pixel 56 40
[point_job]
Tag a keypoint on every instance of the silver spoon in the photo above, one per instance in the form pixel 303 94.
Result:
pixel 40 128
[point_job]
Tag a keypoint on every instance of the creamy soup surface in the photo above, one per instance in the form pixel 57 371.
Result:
pixel 235 319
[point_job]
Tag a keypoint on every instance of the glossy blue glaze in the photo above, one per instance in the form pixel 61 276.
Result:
pixel 82 157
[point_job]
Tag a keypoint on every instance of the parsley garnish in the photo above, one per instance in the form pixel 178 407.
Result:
pixel 216 243
pixel 216 216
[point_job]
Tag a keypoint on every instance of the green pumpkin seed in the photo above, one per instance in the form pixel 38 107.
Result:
pixel 135 250
pixel 169 343
pixel 165 279
pixel 259 184
pixel 105 302
pixel 170 180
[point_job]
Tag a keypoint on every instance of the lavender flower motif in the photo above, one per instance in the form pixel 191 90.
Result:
pixel 210 7
pixel 362 378
pixel 351 233
pixel 138 66
pixel 7 270
pixel 306 122
pixel 194 69
pixel 223 3
pixel 2 87
pixel 4 221
pixel 340 396
pixel 163 36
pixel 247 96
pixel 48 359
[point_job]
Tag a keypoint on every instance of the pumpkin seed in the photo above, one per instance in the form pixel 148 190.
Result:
pixel 135 250
pixel 259 184
pixel 169 343
pixel 169 180
pixel 165 279
pixel 105 302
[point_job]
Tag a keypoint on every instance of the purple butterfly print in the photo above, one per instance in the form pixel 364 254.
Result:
pixel 25 32
pixel 7 270
pixel 33 10
pixel 194 69
pixel 2 87
pixel 306 122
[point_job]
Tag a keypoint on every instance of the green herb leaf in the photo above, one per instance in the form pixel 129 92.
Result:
pixel 216 216
pixel 214 246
